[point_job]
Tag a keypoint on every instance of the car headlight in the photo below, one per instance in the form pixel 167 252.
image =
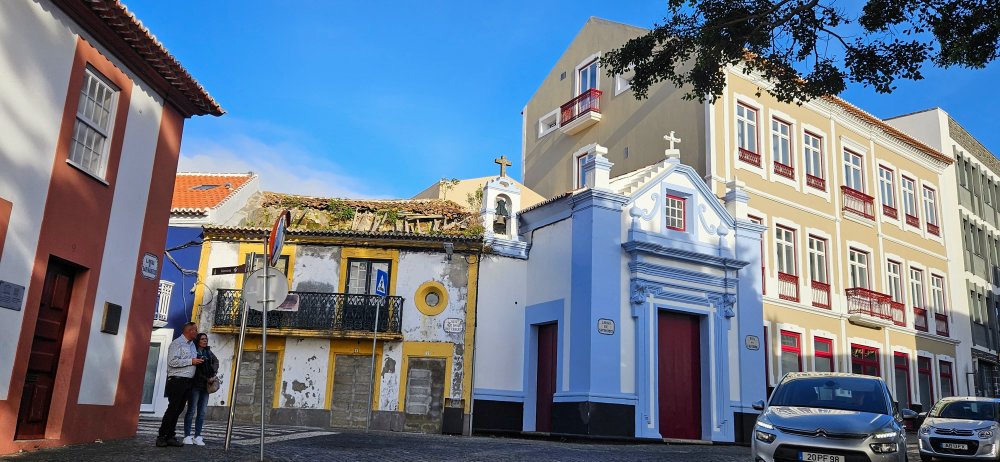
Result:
pixel 886 435
pixel 925 430
pixel 764 436
pixel 765 425
pixel 987 432
pixel 884 448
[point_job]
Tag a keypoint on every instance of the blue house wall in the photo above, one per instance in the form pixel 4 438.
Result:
pixel 182 299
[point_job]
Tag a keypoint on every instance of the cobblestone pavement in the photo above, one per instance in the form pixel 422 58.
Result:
pixel 313 444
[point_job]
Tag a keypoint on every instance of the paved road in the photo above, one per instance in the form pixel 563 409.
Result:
pixel 313 444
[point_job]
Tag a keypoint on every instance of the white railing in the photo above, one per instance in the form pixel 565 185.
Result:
pixel 163 304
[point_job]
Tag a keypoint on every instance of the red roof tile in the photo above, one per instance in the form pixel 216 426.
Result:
pixel 111 23
pixel 202 191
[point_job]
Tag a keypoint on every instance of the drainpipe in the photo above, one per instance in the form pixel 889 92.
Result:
pixel 472 350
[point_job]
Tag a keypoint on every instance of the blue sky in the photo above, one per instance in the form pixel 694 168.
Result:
pixel 381 99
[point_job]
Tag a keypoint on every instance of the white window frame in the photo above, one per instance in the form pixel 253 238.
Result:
pixel 930 205
pixel 918 294
pixel 817 259
pixel 887 186
pixel 850 168
pixel 781 143
pixel 784 243
pixel 813 155
pixel 894 275
pixel 623 81
pixel 670 200
pixel 593 59
pixel 742 121
pixel 909 196
pixel 855 268
pixel 938 294
pixel 544 127
pixel 90 125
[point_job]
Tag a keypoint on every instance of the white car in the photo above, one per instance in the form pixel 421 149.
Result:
pixel 961 428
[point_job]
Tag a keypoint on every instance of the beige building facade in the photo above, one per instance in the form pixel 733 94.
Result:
pixel 855 267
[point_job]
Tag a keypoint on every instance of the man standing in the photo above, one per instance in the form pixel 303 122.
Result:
pixel 182 357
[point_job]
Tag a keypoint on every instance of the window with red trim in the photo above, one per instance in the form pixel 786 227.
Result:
pixel 791 352
pixel 823 353
pixel 781 148
pixel 947 382
pixel 813 152
pixel 746 128
pixel 901 367
pixel 864 360
pixel 925 382
pixel 676 219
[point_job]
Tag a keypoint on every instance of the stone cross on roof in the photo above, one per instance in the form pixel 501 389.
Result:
pixel 672 152
pixel 503 163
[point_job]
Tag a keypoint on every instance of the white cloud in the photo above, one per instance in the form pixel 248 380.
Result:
pixel 284 166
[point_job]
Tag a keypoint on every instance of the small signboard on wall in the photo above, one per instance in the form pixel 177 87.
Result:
pixel 150 266
pixel 453 325
pixel 606 326
pixel 112 318
pixel 752 342
pixel 11 296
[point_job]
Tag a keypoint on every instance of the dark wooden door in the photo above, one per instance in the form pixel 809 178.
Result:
pixel 680 376
pixel 548 348
pixel 44 357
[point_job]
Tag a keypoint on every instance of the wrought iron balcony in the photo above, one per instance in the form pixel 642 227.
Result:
pixel 890 211
pixel 163 303
pixel 580 112
pixel 912 220
pixel 858 202
pixel 941 323
pixel 319 315
pixel 784 170
pixel 920 319
pixel 933 229
pixel 788 287
pixel 876 305
pixel 750 157
pixel 821 294
pixel 816 182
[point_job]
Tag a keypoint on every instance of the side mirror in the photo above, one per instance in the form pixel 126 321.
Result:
pixel 757 405
pixel 908 414
pixel 922 415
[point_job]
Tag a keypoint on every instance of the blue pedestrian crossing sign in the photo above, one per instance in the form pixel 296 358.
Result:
pixel 381 283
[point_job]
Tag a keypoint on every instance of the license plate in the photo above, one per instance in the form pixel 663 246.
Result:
pixel 814 457
pixel 964 447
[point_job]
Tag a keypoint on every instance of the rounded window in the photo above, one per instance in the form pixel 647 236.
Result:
pixel 431 298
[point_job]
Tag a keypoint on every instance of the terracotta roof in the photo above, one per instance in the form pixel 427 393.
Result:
pixel 188 200
pixel 892 131
pixel 110 22
pixel 375 235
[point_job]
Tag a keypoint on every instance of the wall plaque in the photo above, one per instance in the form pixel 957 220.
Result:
pixel 11 296
pixel 753 342
pixel 606 326
pixel 453 325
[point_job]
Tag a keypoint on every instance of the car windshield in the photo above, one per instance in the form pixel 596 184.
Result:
pixel 965 410
pixel 843 393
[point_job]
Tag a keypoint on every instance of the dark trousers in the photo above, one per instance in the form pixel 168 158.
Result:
pixel 178 390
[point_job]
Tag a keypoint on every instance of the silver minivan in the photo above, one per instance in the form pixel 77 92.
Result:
pixel 830 417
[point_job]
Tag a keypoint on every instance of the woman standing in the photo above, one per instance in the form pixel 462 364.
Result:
pixel 198 402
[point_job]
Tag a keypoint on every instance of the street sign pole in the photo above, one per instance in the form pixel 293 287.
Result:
pixel 239 359
pixel 382 290
pixel 263 346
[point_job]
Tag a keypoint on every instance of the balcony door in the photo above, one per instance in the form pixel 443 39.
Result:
pixel 586 77
pixel 361 303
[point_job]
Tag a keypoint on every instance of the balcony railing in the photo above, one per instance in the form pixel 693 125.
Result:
pixel 750 157
pixel 875 304
pixel 587 101
pixel 815 182
pixel 327 314
pixel 912 220
pixel 941 324
pixel 858 202
pixel 933 229
pixel 920 319
pixel 784 170
pixel 788 287
pixel 163 303
pixel 821 295
pixel 890 211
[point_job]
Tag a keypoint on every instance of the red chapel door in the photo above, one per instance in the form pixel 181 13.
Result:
pixel 546 376
pixel 44 358
pixel 679 372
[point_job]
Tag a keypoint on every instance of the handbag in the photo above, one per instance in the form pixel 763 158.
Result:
pixel 213 385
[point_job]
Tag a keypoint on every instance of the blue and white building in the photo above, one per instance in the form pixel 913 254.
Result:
pixel 629 307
